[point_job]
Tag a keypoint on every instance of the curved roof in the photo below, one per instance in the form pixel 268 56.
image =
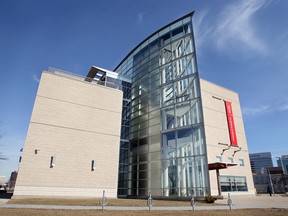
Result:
pixel 183 17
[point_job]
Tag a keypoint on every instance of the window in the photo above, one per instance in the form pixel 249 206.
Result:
pixel 165 39
pixel 183 115
pixel 241 162
pixel 218 159
pixel 169 145
pixel 184 143
pixel 230 160
pixel 167 95
pixel 168 118
pixel 176 33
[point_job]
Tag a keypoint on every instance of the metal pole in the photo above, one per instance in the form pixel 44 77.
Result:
pixel 193 203
pixel 229 201
pixel 103 200
pixel 150 201
pixel 218 182
pixel 270 180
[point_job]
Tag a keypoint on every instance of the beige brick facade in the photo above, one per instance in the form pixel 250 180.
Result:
pixel 74 122
pixel 217 135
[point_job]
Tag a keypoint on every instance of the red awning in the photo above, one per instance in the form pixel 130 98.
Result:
pixel 220 165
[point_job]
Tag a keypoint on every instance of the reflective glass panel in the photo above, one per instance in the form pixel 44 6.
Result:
pixel 196 112
pixel 183 115
pixel 184 143
pixel 168 118
pixel 198 141
pixel 167 95
pixel 182 90
pixel 166 73
pixel 169 145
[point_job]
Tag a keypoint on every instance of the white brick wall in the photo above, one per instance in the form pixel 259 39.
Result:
pixel 76 122
pixel 216 130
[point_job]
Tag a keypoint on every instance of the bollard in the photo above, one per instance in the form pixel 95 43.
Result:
pixel 103 200
pixel 229 201
pixel 193 203
pixel 150 201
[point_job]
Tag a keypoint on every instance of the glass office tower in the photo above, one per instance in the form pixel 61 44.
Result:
pixel 166 153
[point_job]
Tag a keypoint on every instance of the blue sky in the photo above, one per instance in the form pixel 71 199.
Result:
pixel 242 45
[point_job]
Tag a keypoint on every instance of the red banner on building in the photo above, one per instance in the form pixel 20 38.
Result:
pixel 231 125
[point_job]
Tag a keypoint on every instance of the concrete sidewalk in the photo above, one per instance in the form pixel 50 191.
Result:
pixel 3 201
pixel 238 202
pixel 259 201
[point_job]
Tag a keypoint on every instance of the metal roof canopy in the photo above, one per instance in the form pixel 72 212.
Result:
pixel 217 166
pixel 275 170
pixel 220 165
pixel 98 73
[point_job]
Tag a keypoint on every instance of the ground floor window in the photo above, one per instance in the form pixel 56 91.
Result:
pixel 233 183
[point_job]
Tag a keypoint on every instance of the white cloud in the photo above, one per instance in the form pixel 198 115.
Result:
pixel 255 110
pixel 283 107
pixel 35 78
pixel 235 26
pixel 264 109
pixel 201 29
pixel 282 45
pixel 140 18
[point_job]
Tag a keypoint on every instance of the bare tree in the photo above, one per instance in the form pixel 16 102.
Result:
pixel 2 157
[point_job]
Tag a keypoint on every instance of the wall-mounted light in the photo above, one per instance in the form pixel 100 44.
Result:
pixel 36 150
pixel 93 165
pixel 52 161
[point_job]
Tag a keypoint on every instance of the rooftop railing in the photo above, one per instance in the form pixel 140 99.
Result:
pixel 84 79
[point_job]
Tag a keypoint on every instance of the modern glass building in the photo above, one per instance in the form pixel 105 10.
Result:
pixel 178 133
pixel 260 162
pixel 165 151
pixel 283 163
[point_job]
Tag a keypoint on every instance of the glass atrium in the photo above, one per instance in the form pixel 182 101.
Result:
pixel 163 147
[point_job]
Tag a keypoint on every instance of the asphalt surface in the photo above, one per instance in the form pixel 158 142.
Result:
pixel 238 202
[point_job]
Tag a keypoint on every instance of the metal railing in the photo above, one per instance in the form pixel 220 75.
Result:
pixel 83 79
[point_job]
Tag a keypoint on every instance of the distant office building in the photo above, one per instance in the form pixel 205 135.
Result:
pixel 179 133
pixel 2 180
pixel 264 173
pixel 283 163
pixel 260 162
pixel 2 184
pixel 12 180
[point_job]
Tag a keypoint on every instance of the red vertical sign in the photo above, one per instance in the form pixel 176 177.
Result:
pixel 231 126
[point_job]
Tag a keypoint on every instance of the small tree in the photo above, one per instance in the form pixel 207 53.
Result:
pixel 2 157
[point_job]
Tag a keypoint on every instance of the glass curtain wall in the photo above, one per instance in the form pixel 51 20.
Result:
pixel 124 141
pixel 167 155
